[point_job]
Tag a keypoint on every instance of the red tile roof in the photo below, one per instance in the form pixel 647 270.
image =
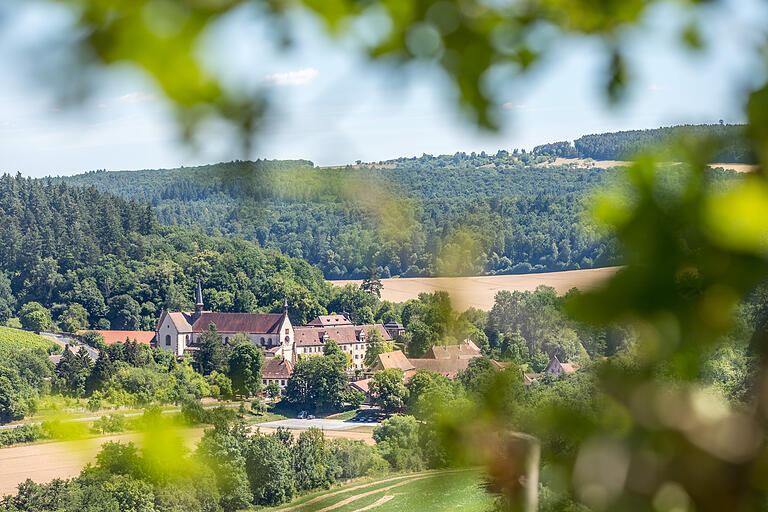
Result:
pixel 445 367
pixel 329 320
pixel 253 323
pixel 276 368
pixel 362 385
pixel 110 337
pixel 395 359
pixel 306 335
pixel 467 350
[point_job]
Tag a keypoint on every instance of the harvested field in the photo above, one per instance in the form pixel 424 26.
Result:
pixel 64 459
pixel 607 164
pixel 736 167
pixel 479 291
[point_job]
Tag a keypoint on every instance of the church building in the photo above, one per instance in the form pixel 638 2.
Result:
pixel 180 332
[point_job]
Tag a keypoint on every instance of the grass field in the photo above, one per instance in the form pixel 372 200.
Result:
pixel 15 339
pixel 441 491
pixel 479 291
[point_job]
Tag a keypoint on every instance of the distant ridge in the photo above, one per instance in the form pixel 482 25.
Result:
pixel 730 138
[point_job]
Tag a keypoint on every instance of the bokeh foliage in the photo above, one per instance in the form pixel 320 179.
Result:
pixel 692 251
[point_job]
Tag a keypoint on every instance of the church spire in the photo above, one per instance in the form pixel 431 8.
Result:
pixel 285 306
pixel 199 298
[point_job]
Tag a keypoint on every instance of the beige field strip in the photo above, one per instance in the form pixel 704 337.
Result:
pixel 43 462
pixel 479 291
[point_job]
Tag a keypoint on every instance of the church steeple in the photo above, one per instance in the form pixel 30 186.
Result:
pixel 199 298
pixel 285 306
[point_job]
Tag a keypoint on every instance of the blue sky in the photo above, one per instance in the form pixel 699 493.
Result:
pixel 332 107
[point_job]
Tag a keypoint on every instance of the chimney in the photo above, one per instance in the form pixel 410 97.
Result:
pixel 198 299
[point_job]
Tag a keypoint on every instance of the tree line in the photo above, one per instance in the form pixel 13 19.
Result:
pixel 729 141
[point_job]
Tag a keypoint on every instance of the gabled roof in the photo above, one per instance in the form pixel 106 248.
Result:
pixel 467 350
pixel 110 337
pixel 307 335
pixel 330 320
pixel 181 320
pixel 251 323
pixel 394 359
pixel 528 378
pixel 276 368
pixel 445 367
pixel 362 385
pixel 555 367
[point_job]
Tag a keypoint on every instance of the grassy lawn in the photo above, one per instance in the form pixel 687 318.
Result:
pixel 346 415
pixel 263 418
pixel 420 492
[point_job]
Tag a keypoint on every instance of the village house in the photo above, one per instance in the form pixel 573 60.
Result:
pixel 445 360
pixel 352 339
pixel 555 367
pixel 277 370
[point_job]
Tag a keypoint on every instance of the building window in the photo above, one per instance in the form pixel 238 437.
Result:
pixel 264 381
pixel 226 340
pixel 168 340
pixel 286 331
pixel 262 340
pixel 187 338
pixel 282 382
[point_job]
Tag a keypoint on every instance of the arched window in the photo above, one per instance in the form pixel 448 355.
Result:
pixel 168 340
pixel 262 340
pixel 187 338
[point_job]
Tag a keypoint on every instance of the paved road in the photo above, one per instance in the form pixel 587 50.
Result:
pixel 65 340
pixel 321 423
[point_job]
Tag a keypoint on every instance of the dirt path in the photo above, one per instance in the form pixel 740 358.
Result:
pixel 366 494
pixel 347 489
pixel 376 503
pixel 479 291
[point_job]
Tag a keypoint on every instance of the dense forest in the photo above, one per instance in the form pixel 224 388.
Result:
pixel 97 260
pixel 730 141
pixel 510 211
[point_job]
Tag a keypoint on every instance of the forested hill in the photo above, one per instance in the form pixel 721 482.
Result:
pixel 103 261
pixel 510 211
pixel 733 147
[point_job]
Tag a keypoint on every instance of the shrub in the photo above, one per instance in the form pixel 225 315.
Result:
pixel 21 434
pixel 109 424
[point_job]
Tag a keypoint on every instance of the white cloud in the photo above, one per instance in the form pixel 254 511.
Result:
pixel 300 77
pixel 512 106
pixel 135 97
pixel 655 88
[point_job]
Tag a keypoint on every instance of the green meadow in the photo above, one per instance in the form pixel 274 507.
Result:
pixel 431 491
